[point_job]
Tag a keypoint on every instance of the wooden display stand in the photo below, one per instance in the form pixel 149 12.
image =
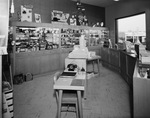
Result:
pixel 82 63
pixel 141 94
pixel 120 61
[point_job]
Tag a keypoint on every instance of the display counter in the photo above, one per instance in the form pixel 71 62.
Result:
pixel 141 91
pixel 134 73
pixel 127 64
pixel 41 62
pixel 119 61
pixel 110 58
pixel 41 48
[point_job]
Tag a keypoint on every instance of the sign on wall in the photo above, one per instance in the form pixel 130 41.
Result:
pixel 59 16
pixel 26 13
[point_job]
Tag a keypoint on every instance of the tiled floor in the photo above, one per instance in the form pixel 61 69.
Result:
pixel 108 97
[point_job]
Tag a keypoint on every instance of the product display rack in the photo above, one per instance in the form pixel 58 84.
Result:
pixel 44 36
pixel 44 41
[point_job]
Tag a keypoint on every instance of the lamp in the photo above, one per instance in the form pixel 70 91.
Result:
pixel 12 7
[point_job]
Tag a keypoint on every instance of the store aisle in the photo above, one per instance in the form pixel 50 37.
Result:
pixel 108 97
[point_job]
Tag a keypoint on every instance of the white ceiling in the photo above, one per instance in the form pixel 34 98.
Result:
pixel 100 3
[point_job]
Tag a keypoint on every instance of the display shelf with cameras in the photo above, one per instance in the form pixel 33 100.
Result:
pixel 45 36
pixel 36 38
pixel 97 37
pixel 42 44
pixel 70 36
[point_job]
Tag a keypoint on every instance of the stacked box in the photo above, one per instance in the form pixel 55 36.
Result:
pixel 8 103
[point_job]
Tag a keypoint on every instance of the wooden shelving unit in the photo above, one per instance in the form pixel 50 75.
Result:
pixel 120 61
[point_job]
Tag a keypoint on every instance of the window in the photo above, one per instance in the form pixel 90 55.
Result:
pixel 132 28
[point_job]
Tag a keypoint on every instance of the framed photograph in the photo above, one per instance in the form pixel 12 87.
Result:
pixel 37 18
pixel 59 16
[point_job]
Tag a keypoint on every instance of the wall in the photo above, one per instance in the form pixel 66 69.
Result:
pixel 44 7
pixel 123 9
pixel 4 20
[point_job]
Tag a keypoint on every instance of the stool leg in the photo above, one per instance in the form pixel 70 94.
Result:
pixel 93 66
pixel 57 103
pixel 86 87
pixel 77 110
pixel 98 66
pixel 80 104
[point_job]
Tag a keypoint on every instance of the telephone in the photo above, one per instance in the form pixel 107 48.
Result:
pixel 71 67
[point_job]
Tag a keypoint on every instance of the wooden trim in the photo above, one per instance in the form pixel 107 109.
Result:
pixel 33 24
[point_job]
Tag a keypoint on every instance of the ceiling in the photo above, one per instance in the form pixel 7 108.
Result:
pixel 100 3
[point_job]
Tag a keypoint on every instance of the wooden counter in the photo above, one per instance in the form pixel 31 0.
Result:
pixel 110 58
pixel 127 65
pixel 41 62
pixel 119 61
pixel 141 94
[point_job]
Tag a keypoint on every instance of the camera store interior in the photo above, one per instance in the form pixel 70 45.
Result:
pixel 75 58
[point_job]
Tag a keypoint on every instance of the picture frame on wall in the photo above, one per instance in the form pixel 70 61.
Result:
pixel 59 16
pixel 37 18
pixel 26 13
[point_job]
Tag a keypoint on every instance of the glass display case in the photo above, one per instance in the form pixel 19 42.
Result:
pixel 43 36
pixel 70 37
pixel 97 37
pixel 36 38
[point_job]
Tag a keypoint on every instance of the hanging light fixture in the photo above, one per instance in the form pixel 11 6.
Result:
pixel 12 7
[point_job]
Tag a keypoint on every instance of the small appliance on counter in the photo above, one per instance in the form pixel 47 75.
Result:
pixel 81 51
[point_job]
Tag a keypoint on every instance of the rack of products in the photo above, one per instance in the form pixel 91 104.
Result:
pixel 97 37
pixel 43 36
pixel 36 38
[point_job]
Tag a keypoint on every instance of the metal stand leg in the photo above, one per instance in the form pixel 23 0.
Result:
pixel 98 66
pixel 59 103
pixel 93 65
pixel 80 104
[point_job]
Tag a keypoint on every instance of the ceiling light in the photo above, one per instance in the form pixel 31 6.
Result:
pixel 116 0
